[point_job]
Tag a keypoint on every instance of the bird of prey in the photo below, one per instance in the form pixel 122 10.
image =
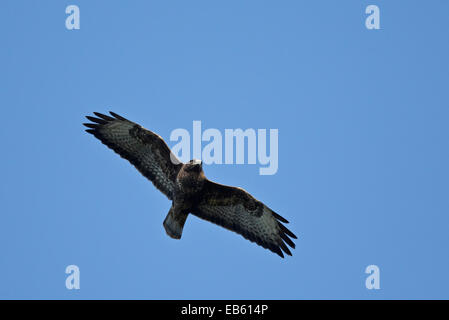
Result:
pixel 188 188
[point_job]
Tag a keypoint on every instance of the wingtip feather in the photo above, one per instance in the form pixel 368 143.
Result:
pixel 103 116
pixel 287 240
pixel 285 248
pixel 287 231
pixel 282 219
pixel 96 120
pixel 115 115
pixel 91 125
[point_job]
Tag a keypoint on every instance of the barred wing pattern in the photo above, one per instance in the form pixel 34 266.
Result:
pixel 236 210
pixel 144 149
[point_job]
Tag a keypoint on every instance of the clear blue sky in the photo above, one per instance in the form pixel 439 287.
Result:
pixel 363 146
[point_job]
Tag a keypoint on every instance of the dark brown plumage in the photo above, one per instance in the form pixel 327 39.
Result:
pixel 188 188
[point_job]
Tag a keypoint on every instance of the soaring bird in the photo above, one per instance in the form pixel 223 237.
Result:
pixel 188 188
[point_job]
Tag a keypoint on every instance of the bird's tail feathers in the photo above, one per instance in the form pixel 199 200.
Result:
pixel 174 223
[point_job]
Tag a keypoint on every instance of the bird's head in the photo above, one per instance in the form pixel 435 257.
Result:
pixel 194 166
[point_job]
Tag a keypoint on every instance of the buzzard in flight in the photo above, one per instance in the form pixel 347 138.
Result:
pixel 187 187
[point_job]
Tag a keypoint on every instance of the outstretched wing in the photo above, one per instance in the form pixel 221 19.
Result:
pixel 145 150
pixel 236 210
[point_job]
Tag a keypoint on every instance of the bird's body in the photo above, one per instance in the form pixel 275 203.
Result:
pixel 187 193
pixel 188 188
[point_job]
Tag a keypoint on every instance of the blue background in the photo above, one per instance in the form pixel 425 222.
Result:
pixel 363 146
